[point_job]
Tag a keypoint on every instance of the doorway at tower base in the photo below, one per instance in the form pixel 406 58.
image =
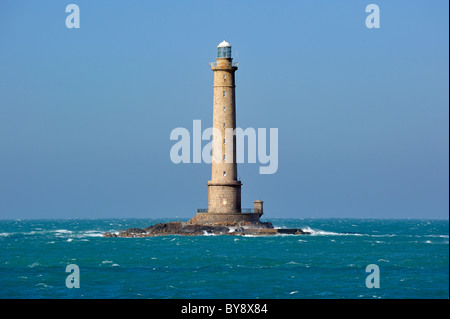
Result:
pixel 229 219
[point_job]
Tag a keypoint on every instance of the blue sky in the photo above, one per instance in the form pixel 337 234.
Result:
pixel 86 114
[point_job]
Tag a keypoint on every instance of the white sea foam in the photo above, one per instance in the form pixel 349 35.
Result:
pixel 5 234
pixel 62 231
pixel 69 240
pixel 319 232
pixel 92 233
pixel 437 236
pixel 385 235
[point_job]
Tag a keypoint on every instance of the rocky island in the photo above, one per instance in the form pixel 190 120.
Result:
pixel 189 229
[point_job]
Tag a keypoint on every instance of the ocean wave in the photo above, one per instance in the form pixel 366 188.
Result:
pixel 385 235
pixel 62 231
pixel 437 236
pixel 319 232
pixel 91 233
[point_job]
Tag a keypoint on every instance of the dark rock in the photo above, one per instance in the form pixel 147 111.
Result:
pixel 292 231
pixel 202 229
pixel 170 228
pixel 183 228
pixel 108 234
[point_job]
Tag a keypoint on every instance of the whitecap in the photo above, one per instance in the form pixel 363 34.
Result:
pixel 69 240
pixel 107 262
pixel 92 233
pixel 319 232
pixel 437 236
pixel 62 231
pixel 293 292
pixel 115 265
pixel 5 234
pixel 428 242
pixel 33 265
pixel 385 235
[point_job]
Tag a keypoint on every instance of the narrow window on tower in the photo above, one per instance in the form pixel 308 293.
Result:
pixel 224 173
pixel 223 124
pixel 224 157
pixel 224 93
pixel 224 108
pixel 223 141
pixel 224 76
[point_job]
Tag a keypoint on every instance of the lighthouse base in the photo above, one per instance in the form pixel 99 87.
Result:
pixel 229 219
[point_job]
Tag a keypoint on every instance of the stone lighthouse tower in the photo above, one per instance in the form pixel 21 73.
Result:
pixel 224 188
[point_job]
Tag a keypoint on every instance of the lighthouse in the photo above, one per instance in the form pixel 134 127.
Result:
pixel 224 188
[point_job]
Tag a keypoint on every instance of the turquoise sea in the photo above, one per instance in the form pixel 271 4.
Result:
pixel 412 256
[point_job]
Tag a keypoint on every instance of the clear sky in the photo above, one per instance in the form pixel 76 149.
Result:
pixel 86 114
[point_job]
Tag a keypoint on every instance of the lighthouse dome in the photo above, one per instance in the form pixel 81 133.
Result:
pixel 223 44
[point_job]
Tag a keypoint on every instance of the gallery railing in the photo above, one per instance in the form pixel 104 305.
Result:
pixel 243 210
